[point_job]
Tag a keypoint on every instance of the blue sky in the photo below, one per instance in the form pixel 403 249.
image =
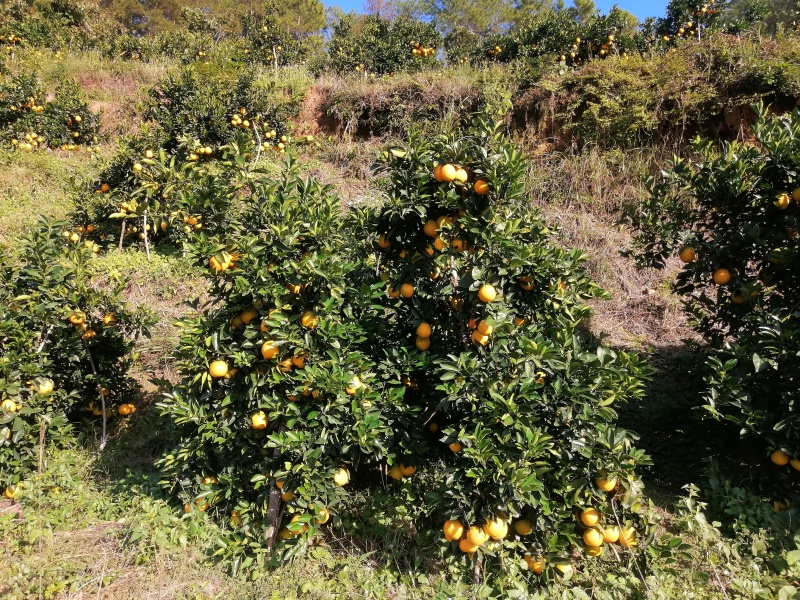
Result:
pixel 641 8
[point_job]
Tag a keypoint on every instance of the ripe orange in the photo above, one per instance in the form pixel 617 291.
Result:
pixel 453 530
pixel 481 187
pixel 423 343
pixel 341 477
pixel 285 365
pixel 323 516
pixel 396 472
pixel 407 471
pixel 593 550
pixel 218 368
pixel 604 484
pixel 383 241
pixel 461 175
pixel 485 328
pixel 466 546
pixel 477 536
pixel 487 293
pixel 780 458
pixel 392 292
pixel 627 537
pixel 535 565
pixel 526 283
pixel 455 446
pixel 288 496
pixel 480 338
pixel 688 254
pixel 269 350
pixel 458 245
pixel 590 517
pixel 437 173
pixel 248 315
pixel 448 173
pixel 795 464
pixel 439 244
pixel 430 228
pixel 497 529
pixel 424 330
pixel 782 201
pixel 611 534
pixel 299 360
pixel 259 420
pixel 407 290
pixel 722 276
pixel 523 527
pixel 309 320
pixel 592 537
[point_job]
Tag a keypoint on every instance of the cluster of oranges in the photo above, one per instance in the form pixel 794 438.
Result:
pixel 781 458
pixel 10 41
pixel 32 140
pixel 194 155
pixel 417 49
pixel 223 262
pixel 75 237
pixel 80 320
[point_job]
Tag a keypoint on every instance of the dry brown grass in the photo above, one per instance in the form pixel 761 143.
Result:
pixel 583 195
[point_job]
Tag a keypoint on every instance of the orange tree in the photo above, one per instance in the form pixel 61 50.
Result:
pixel 66 345
pixel 29 120
pixel 279 408
pixel 372 45
pixel 730 214
pixel 482 319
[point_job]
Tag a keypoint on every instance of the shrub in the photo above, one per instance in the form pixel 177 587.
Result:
pixel 66 345
pixel 482 319
pixel 731 214
pixel 278 406
pixel 28 120
pixel 374 46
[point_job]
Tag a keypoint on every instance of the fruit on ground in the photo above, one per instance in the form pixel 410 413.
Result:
pixel 218 368
pixel 779 457
pixel 453 530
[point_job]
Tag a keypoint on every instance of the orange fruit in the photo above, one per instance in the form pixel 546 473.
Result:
pixel 455 446
pixel 481 187
pixel 259 420
pixel 722 276
pixel 396 472
pixel 269 350
pixel 466 546
pixel 485 328
pixel 309 319
pixel 795 464
pixel 487 293
pixel 477 536
pixel 780 458
pixel 590 517
pixel 461 175
pixel 424 330
pixel 604 484
pixel 497 529
pixel 407 471
pixel 407 290
pixel 592 537
pixel 688 254
pixel 439 244
pixel 526 283
pixel 430 228
pixel 453 530
pixel 523 527
pixel 341 477
pixel 448 173
pixel 248 315
pixel 218 368
pixel 458 245
pixel 535 565
pixel 423 343
pixel 627 537
pixel 299 360
pixel 384 242
pixel 323 516
pixel 611 534
pixel 285 365
pixel 480 338
pixel 437 173
pixel 593 550
pixel 782 201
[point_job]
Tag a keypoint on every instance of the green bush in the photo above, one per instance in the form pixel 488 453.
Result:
pixel 294 401
pixel 731 213
pixel 374 46
pixel 66 345
pixel 29 121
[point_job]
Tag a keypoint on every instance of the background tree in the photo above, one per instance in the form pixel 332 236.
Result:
pixel 479 16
